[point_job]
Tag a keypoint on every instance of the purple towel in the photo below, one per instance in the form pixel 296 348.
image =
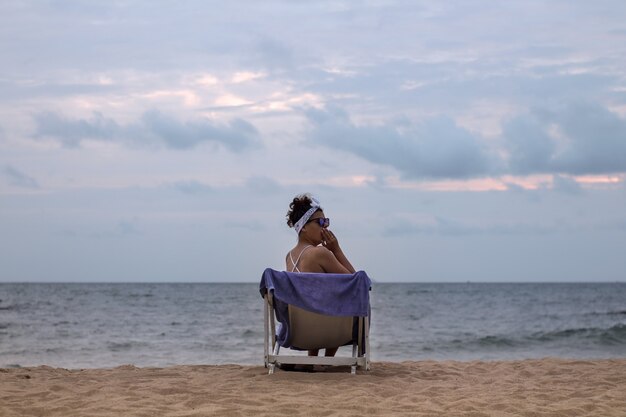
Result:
pixel 329 294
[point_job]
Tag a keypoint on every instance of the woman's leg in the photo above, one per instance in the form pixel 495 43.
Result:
pixel 330 352
pixel 327 352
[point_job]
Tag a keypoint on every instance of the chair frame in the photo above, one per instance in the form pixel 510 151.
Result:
pixel 360 347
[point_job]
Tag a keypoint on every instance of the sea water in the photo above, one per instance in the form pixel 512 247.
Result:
pixel 106 325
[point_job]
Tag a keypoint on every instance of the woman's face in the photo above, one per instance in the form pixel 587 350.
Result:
pixel 314 226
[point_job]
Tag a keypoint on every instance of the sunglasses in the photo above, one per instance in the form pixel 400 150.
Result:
pixel 322 221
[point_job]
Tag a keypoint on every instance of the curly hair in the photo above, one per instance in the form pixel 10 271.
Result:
pixel 300 205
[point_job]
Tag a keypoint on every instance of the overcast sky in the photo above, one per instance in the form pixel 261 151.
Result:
pixel 447 141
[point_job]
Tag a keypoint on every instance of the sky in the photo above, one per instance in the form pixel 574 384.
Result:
pixel 447 141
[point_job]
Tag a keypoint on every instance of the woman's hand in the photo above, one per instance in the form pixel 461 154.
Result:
pixel 330 241
pixel 342 264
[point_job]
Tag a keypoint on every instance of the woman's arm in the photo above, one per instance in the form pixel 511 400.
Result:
pixel 332 244
pixel 344 261
pixel 328 262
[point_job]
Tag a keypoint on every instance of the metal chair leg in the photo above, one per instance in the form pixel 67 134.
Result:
pixel 273 364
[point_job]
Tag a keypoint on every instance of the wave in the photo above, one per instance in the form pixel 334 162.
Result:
pixel 414 292
pixel 608 313
pixel 616 313
pixel 612 336
pixel 496 341
pixel 489 341
pixel 125 346
pixel 135 295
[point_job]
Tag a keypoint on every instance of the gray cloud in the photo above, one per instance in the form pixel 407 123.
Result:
pixel 529 145
pixel 566 185
pixel 575 139
pixel 516 188
pixel 437 148
pixel 248 226
pixel 263 185
pixel 18 178
pixel 71 132
pixel 452 85
pixel 153 128
pixel 455 228
pixel 269 54
pixel 236 136
pixel 191 187
pixel 123 229
pixel 128 227
pixel 590 140
pixel 597 140
pixel 17 91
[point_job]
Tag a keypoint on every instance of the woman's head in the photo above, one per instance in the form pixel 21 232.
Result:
pixel 305 211
pixel 298 208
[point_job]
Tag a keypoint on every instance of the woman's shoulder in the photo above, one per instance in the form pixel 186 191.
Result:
pixel 319 251
pixel 308 252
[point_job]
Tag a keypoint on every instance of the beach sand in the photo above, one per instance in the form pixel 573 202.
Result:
pixel 546 387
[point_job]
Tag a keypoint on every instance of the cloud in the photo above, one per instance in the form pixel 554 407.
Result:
pixel 437 148
pixel 442 226
pixel 248 226
pixel 128 227
pixel 577 139
pixel 453 84
pixel 529 145
pixel 263 185
pixel 153 127
pixel 597 140
pixel 122 229
pixel 573 139
pixel 273 54
pixel 566 185
pixel 236 136
pixel 191 187
pixel 516 188
pixel 71 132
pixel 18 178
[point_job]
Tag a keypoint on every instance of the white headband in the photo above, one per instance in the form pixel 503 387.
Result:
pixel 315 205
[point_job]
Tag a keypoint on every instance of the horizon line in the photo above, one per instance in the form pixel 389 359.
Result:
pixel 373 282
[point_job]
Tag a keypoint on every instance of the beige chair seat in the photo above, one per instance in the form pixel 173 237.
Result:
pixel 310 330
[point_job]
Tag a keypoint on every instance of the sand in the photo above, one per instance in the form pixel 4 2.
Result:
pixel 546 387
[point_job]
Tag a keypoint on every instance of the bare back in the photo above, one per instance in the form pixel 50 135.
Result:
pixel 316 259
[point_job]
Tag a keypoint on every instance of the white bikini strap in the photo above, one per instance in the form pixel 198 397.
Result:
pixel 293 263
pixel 295 267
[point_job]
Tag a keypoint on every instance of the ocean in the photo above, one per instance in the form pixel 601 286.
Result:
pixel 106 325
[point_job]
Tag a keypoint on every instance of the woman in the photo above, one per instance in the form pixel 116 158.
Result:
pixel 317 249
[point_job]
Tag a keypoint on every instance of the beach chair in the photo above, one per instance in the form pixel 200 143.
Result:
pixel 316 311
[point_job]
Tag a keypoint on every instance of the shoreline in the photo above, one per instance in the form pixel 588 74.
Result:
pixel 121 365
pixel 549 386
